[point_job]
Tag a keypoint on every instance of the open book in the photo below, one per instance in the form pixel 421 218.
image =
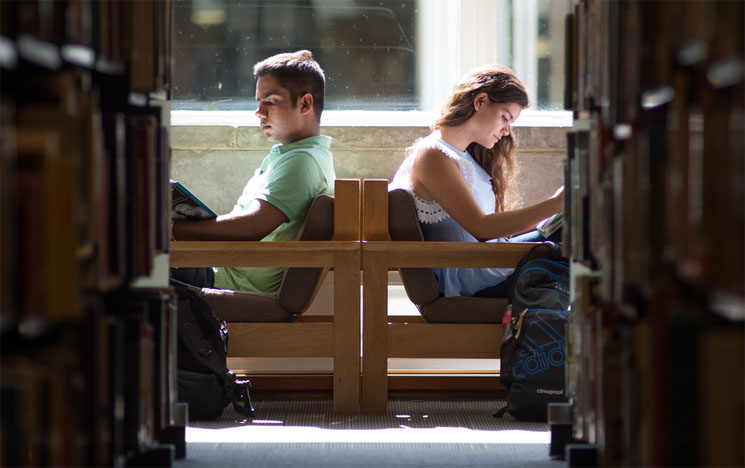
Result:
pixel 185 205
pixel 549 225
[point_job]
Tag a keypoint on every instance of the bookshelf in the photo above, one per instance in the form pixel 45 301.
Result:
pixel 88 352
pixel 656 231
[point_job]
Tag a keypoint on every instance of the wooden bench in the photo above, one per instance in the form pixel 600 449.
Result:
pixel 264 325
pixel 459 327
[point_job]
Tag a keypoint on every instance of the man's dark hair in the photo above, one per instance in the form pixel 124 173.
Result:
pixel 298 73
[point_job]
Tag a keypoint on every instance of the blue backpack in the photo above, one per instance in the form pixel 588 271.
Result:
pixel 533 341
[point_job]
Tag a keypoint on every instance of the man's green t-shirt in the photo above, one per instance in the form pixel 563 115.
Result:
pixel 289 178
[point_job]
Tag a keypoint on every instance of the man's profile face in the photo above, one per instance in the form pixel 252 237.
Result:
pixel 280 119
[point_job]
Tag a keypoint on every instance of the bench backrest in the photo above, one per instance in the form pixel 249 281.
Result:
pixel 300 285
pixel 421 283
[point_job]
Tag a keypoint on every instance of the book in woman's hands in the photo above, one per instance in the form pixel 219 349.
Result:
pixel 185 205
pixel 549 225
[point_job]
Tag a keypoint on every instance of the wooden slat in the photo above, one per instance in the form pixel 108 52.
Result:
pixel 347 332
pixel 444 340
pixel 406 319
pixel 347 298
pixel 297 339
pixel 445 383
pixel 302 383
pixel 443 372
pixel 314 318
pixel 255 254
pixel 375 298
pixel 288 382
pixel 450 254
pixel 375 335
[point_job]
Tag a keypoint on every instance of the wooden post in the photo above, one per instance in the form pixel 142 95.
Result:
pixel 375 299
pixel 347 209
pixel 347 298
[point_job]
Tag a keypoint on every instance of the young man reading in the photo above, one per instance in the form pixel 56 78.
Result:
pixel 290 92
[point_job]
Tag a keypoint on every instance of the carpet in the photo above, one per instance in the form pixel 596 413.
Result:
pixel 303 432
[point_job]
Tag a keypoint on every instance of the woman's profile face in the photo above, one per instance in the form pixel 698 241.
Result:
pixel 492 121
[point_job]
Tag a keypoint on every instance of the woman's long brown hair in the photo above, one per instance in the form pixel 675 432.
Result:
pixel 502 86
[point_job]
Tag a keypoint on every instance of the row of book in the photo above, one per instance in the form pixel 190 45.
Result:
pixel 97 393
pixel 84 191
pixel 88 358
pixel 655 227
pixel 130 33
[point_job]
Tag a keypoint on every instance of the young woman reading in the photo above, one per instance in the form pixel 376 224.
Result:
pixel 460 177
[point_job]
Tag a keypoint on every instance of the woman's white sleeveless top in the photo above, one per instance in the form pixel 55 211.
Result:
pixel 438 225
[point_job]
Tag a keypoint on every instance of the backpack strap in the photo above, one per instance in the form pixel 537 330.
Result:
pixel 239 394
pixel 181 286
pixel 199 346
pixel 554 251
pixel 500 412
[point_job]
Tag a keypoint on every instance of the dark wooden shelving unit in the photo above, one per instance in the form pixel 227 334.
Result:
pixel 88 353
pixel 656 231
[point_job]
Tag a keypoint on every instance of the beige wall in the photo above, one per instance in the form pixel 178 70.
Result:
pixel 215 162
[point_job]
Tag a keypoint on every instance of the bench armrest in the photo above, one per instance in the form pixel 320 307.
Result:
pixel 258 254
pixel 448 254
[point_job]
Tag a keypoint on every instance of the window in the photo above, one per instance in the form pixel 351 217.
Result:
pixel 377 54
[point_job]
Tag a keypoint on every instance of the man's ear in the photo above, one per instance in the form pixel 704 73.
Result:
pixel 305 103
pixel 479 100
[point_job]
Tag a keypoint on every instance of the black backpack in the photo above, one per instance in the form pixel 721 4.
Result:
pixel 533 344
pixel 204 380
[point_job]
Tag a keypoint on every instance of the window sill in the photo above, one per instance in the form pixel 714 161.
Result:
pixel 528 118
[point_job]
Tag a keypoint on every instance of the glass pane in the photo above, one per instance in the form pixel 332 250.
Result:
pixel 366 49
pixel 369 49
pixel 550 53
